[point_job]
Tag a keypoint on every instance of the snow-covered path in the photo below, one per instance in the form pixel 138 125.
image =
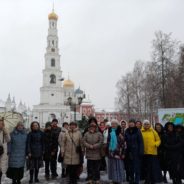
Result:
pixel 42 179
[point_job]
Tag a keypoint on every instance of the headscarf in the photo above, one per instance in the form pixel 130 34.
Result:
pixel 113 140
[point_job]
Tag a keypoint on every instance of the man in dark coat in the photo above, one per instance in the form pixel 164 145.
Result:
pixel 173 146
pixel 134 151
pixel 180 132
pixel 55 131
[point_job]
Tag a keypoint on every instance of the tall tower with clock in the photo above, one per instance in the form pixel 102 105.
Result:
pixel 51 93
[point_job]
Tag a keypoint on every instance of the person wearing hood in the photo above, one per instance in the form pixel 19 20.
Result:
pixel 151 164
pixel 17 153
pixel 70 144
pixel 172 143
pixel 93 141
pixel 134 151
pixel 35 150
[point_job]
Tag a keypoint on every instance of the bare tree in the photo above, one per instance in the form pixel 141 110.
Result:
pixel 163 54
pixel 155 84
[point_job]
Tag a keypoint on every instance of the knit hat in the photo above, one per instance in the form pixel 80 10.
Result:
pixel 146 122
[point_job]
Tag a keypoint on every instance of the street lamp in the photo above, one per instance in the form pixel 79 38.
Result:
pixel 74 105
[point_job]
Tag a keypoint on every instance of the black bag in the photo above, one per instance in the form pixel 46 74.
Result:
pixel 1 150
pixel 60 158
pixel 78 149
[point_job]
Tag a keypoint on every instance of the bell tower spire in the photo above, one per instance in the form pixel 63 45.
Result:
pixel 51 89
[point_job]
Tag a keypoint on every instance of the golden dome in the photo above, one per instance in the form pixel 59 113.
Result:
pixel 68 84
pixel 53 15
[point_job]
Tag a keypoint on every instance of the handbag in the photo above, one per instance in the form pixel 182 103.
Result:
pixel 78 150
pixel 60 158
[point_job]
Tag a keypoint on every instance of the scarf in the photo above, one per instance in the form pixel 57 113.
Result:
pixel 113 141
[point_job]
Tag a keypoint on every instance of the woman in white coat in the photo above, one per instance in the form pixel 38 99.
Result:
pixel 4 139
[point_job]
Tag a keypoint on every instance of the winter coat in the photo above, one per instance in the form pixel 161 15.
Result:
pixel 162 152
pixel 17 149
pixel 134 143
pixel 55 134
pixel 173 146
pixel 151 141
pixel 96 140
pixel 68 148
pixel 119 153
pixel 35 144
pixel 48 144
pixel 4 156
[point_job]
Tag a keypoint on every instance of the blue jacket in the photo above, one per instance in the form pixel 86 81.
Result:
pixel 17 148
pixel 35 144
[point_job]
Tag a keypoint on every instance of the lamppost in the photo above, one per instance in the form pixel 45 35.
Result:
pixel 74 105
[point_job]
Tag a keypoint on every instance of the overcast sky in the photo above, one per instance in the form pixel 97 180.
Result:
pixel 99 41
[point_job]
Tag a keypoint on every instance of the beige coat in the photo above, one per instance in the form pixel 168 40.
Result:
pixel 96 140
pixel 68 149
pixel 4 156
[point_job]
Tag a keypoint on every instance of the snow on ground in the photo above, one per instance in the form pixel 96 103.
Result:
pixel 25 180
pixel 42 179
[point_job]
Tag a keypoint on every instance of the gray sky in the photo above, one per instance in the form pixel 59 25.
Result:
pixel 99 41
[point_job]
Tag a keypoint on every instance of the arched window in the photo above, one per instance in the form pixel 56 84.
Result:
pixel 53 63
pixel 52 79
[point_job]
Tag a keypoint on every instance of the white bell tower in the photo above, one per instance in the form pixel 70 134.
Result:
pixel 51 93
pixel 51 90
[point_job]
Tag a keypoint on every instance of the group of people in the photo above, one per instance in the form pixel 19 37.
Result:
pixel 131 152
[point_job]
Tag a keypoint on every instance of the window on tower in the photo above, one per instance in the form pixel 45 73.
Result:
pixel 53 63
pixel 52 79
pixel 53 42
pixel 53 50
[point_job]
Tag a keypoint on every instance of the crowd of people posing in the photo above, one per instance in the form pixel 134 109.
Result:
pixel 131 152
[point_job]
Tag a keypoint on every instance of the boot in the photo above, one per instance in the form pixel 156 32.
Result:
pixel 63 172
pixel 31 176
pixel 36 176
pixel 14 181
